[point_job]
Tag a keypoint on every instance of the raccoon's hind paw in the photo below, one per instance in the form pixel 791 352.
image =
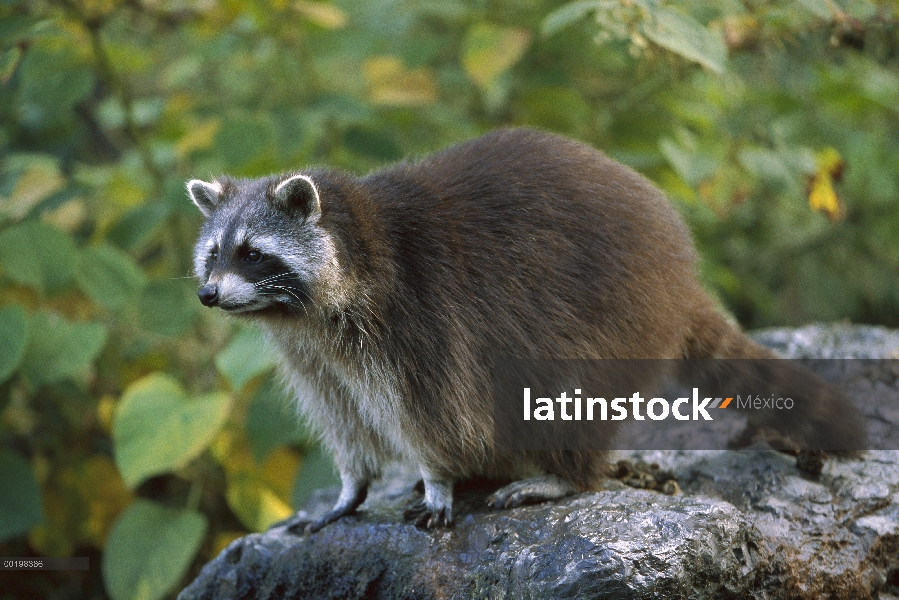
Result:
pixel 531 491
pixel 429 518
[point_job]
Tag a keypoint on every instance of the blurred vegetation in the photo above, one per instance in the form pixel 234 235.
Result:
pixel 146 433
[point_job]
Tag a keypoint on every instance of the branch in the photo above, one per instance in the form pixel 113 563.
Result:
pixel 92 25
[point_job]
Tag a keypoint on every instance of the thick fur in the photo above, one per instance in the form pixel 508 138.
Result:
pixel 404 284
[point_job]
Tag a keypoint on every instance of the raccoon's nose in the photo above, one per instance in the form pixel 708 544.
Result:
pixel 209 295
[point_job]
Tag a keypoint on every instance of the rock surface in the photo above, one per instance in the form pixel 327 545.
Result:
pixel 740 524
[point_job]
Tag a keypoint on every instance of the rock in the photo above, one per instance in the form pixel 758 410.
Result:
pixel 615 543
pixel 735 524
pixel 831 341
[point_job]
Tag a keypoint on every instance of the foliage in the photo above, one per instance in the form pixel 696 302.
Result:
pixel 127 413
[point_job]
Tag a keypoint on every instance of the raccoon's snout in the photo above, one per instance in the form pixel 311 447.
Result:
pixel 209 295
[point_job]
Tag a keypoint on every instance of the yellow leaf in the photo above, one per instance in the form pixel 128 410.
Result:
pixel 199 137
pixel 258 495
pixel 222 540
pixel 19 417
pixel 107 496
pixel 99 8
pixel 257 506
pixel 231 450
pixel 823 198
pixel 829 160
pixel 123 190
pixel 279 471
pixel 489 51
pixel 105 411
pixel 53 537
pixel 68 217
pixel 391 83
pixel 40 177
pixel 322 14
pixel 82 499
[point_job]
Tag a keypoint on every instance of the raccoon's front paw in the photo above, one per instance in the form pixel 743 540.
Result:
pixel 327 518
pixel 427 517
pixel 530 491
pixel 352 494
pixel 436 508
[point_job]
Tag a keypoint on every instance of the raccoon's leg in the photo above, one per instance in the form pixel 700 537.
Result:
pixel 530 491
pixel 353 491
pixel 358 452
pixel 436 508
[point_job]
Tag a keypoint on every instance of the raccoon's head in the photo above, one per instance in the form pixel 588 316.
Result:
pixel 262 247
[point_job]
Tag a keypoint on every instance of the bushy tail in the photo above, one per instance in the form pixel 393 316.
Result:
pixel 724 360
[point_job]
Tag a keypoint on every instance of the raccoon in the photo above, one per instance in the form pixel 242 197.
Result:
pixel 387 296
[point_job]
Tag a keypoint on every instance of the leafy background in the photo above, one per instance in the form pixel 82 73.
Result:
pixel 146 433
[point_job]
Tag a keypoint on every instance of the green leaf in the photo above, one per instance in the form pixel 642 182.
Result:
pixel 556 108
pixel 20 497
pixel 819 8
pixel 766 164
pixel 157 428
pixel 880 84
pixel 137 225
pixel 684 35
pixel 244 358
pixel 55 200
pixel 369 143
pixel 242 138
pixel 566 15
pixel 489 50
pixel 15 27
pixel 691 166
pixel 58 349
pixel 317 472
pixel 13 339
pixel 9 60
pixel 272 420
pixel 149 550
pixel 37 255
pixel 29 180
pixel 168 307
pixel 109 277
pixel 52 81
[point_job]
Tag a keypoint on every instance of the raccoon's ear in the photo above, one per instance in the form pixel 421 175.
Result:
pixel 298 193
pixel 205 195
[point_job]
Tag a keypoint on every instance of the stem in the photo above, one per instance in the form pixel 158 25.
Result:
pixel 118 84
pixel 195 494
pixel 313 82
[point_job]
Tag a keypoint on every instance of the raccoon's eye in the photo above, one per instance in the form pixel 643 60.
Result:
pixel 254 256
pixel 213 254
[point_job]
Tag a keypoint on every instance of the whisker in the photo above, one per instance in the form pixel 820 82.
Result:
pixel 286 288
pixel 297 298
pixel 273 278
